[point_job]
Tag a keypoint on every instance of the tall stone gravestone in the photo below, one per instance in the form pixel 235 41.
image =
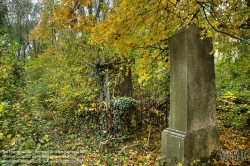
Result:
pixel 192 131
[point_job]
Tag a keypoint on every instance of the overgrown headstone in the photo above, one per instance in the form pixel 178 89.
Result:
pixel 192 131
pixel 105 94
pixel 126 87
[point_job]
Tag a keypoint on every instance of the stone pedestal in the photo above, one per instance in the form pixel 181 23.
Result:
pixel 192 131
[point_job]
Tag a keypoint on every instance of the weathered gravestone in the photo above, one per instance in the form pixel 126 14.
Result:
pixel 105 94
pixel 126 87
pixel 192 131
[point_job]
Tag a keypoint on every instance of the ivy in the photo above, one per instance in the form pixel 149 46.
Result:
pixel 122 109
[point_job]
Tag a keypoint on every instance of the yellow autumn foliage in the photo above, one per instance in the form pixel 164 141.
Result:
pixel 140 29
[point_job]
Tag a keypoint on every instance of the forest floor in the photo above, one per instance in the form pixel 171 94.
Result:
pixel 82 145
pixel 144 149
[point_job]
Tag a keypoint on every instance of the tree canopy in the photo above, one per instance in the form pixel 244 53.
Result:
pixel 140 29
pixel 129 25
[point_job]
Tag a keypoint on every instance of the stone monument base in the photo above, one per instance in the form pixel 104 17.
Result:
pixel 184 147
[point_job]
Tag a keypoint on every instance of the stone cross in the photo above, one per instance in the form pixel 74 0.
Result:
pixel 192 131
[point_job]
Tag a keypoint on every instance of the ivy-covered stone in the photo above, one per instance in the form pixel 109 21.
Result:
pixel 121 109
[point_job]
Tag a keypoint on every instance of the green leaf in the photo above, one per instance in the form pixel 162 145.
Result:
pixel 9 67
pixel 1 107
